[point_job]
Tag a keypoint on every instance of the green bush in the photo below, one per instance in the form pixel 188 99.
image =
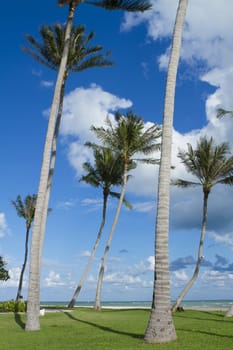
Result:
pixel 13 306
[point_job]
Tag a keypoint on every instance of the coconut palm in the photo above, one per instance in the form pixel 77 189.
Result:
pixel 81 56
pixel 160 327
pixel 211 165
pixel 4 275
pixel 25 209
pixel 106 173
pixel 42 200
pixel 127 138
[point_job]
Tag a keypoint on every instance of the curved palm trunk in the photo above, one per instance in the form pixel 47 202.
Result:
pixel 33 304
pixel 52 166
pixel 199 258
pixel 106 251
pixel 160 327
pixel 19 292
pixel 91 258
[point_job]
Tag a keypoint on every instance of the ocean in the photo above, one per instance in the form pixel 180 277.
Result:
pixel 187 304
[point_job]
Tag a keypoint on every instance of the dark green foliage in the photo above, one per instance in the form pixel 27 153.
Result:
pixel 13 306
pixel 4 275
pixel 81 55
pixel 127 5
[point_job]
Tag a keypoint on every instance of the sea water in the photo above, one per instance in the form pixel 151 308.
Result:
pixel 186 304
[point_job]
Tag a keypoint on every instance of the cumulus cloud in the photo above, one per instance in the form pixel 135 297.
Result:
pixel 53 279
pixel 208 53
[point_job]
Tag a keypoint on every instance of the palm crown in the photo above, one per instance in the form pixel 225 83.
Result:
pixel 128 5
pixel 81 56
pixel 208 163
pixel 129 137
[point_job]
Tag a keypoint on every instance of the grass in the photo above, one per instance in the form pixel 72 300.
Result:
pixel 86 329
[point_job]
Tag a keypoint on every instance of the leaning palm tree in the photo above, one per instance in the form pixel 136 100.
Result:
pixel 211 165
pixel 81 56
pixel 106 173
pixel 42 200
pixel 25 209
pixel 127 138
pixel 160 328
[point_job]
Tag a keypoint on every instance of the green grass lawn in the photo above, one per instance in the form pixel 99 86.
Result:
pixel 85 329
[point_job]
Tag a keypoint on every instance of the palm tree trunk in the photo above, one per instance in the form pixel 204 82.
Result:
pixel 33 304
pixel 160 328
pixel 19 292
pixel 52 165
pixel 106 251
pixel 199 257
pixel 90 260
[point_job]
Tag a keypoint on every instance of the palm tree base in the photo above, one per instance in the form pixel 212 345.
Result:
pixel 160 328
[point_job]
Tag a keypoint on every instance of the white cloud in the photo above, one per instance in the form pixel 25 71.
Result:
pixel 14 274
pixel 86 253
pixel 226 239
pixel 3 225
pixel 54 280
pixel 46 83
pixel 213 46
pixel 79 115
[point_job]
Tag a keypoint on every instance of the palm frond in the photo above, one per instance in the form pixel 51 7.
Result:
pixel 184 183
pixel 221 112
pixel 127 5
pixel 125 201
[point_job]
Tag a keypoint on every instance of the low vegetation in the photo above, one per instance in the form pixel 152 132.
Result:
pixel 86 329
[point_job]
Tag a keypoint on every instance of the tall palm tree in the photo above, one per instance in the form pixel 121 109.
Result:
pixel 127 138
pixel 4 275
pixel 25 209
pixel 81 56
pixel 211 165
pixel 160 328
pixel 33 305
pixel 106 173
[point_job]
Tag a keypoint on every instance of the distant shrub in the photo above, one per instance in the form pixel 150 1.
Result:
pixel 13 306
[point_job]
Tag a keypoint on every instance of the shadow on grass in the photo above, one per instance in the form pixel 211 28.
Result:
pixel 203 313
pixel 18 320
pixel 104 328
pixel 205 333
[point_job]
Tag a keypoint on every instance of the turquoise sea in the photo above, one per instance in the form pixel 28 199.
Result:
pixel 187 304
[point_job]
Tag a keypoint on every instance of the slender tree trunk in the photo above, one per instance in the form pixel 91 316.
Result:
pixel 91 258
pixel 19 292
pixel 199 257
pixel 106 251
pixel 52 165
pixel 160 328
pixel 33 304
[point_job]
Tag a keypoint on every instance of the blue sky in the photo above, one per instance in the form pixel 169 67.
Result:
pixel 140 45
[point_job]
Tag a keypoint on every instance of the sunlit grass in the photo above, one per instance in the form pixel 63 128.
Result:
pixel 85 329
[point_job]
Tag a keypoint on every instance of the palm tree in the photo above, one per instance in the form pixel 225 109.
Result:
pixel 33 305
pixel 4 275
pixel 106 173
pixel 160 328
pixel 127 138
pixel 211 166
pixel 81 56
pixel 25 209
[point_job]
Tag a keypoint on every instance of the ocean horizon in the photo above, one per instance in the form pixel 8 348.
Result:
pixel 186 304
